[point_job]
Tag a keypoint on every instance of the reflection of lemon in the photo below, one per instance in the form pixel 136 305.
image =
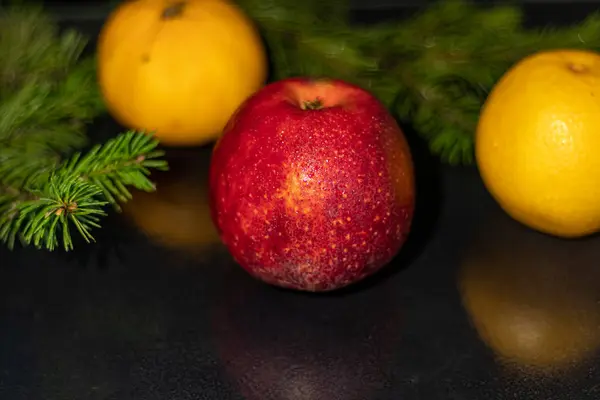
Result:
pixel 537 141
pixel 177 214
pixel 532 297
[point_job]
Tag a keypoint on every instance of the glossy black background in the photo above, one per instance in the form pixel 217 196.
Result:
pixel 131 318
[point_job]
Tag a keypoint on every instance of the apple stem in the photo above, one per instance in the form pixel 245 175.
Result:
pixel 315 104
pixel 173 10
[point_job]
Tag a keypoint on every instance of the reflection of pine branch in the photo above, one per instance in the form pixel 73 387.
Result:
pixel 77 191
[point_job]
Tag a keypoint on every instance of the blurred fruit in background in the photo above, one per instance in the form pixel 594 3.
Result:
pixel 180 68
pixel 533 298
pixel 537 142
pixel 279 345
pixel 177 214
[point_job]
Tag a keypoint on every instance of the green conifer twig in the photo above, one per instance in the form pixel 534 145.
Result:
pixel 48 93
pixel 77 191
pixel 433 70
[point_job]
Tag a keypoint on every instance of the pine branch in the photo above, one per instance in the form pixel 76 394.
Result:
pixel 120 162
pixel 433 70
pixel 48 93
pixel 41 216
pixel 77 191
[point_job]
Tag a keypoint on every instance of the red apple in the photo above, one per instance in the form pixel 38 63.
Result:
pixel 312 185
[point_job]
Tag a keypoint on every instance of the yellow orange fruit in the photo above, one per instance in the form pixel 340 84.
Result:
pixel 537 142
pixel 179 68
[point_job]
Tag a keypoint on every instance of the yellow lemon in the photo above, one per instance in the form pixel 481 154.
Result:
pixel 179 68
pixel 538 139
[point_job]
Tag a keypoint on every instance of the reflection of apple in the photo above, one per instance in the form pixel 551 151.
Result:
pixel 177 214
pixel 531 297
pixel 312 185
pixel 279 345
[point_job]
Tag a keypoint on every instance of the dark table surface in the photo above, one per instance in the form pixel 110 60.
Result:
pixel 474 307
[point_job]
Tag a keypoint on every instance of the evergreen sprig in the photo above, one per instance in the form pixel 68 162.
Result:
pixel 41 215
pixel 433 70
pixel 48 93
pixel 77 191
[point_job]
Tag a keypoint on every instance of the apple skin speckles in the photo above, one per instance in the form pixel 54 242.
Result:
pixel 312 199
